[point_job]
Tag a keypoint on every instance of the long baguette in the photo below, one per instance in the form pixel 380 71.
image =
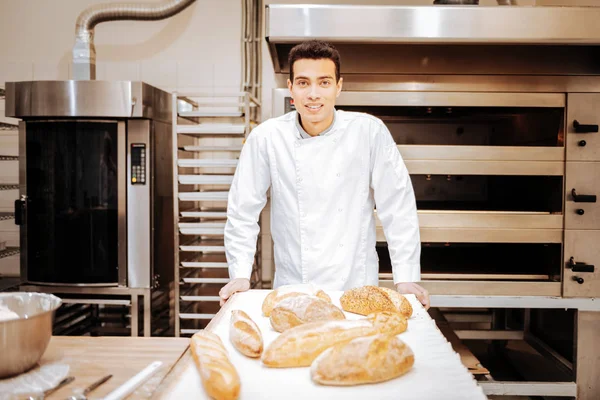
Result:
pixel 299 346
pixel 245 335
pixel 219 377
pixel 363 360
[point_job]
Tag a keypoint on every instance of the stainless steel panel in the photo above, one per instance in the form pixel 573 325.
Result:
pixel 467 167
pixel 139 241
pixel 105 99
pixel 23 195
pixel 587 355
pixel 445 82
pixel 481 153
pixel 450 99
pixel 483 235
pixel 489 219
pixel 585 109
pixel 485 288
pixel 164 220
pixel 584 177
pixel 583 247
pixel 433 24
pixel 122 202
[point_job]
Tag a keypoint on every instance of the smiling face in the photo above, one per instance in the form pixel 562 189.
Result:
pixel 314 91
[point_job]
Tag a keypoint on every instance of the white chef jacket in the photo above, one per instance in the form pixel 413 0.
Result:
pixel 323 193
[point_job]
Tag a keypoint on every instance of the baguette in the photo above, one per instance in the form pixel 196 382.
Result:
pixel 245 335
pixel 363 360
pixel 365 300
pixel 286 291
pixel 219 377
pixel 299 346
pixel 298 310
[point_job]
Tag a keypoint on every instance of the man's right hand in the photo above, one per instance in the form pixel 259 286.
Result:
pixel 235 285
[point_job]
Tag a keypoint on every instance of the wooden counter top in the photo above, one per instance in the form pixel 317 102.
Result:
pixel 91 358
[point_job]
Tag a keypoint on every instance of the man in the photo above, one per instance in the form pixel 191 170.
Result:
pixel 327 169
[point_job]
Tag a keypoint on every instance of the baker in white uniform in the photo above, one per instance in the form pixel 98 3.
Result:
pixel 327 169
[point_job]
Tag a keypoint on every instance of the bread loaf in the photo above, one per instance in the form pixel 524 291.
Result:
pixel 365 300
pixel 363 360
pixel 388 322
pixel 245 335
pixel 299 346
pixel 298 310
pixel 218 375
pixel 286 291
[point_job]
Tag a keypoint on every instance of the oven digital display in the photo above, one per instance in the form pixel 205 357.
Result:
pixel 138 164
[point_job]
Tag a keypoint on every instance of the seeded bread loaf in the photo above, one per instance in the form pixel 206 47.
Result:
pixel 363 360
pixel 298 310
pixel 219 377
pixel 365 300
pixel 286 291
pixel 245 335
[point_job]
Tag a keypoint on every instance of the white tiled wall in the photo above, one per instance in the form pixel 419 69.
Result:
pixel 198 50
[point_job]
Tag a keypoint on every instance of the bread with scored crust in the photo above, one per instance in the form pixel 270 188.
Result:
pixel 388 322
pixel 298 310
pixel 245 335
pixel 364 360
pixel 299 346
pixel 219 377
pixel 286 291
pixel 367 299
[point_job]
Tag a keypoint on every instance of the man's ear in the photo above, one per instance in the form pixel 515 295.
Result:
pixel 289 85
pixel 339 87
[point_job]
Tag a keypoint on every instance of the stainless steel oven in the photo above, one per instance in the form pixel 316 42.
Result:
pixel 96 183
pixel 495 111
pixel 489 175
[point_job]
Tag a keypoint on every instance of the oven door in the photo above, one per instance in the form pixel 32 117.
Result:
pixel 488 171
pixel 73 199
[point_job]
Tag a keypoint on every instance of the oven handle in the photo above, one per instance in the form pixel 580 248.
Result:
pixel 580 266
pixel 583 128
pixel 20 208
pixel 583 198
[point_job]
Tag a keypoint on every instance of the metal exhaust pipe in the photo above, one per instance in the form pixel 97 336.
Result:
pixel 84 51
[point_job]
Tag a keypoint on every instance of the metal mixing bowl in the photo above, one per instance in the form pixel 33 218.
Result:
pixel 23 341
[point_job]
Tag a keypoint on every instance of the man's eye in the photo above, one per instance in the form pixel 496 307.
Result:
pixel 301 83
pixel 326 83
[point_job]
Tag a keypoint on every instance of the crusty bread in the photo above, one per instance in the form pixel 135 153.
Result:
pixel 219 377
pixel 368 299
pixel 299 346
pixel 286 291
pixel 363 360
pixel 298 310
pixel 245 334
pixel 400 302
pixel 388 322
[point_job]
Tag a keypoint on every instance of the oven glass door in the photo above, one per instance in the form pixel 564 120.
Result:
pixel 72 202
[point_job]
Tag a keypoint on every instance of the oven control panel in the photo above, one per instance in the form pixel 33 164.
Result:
pixel 289 105
pixel 138 164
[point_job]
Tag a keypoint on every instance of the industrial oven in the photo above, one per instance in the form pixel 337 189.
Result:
pixel 96 188
pixel 495 111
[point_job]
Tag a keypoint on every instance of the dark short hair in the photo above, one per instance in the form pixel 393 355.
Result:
pixel 314 50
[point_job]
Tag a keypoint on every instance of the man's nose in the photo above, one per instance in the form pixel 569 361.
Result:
pixel 314 92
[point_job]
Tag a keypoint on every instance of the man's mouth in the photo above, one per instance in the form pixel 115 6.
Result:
pixel 316 107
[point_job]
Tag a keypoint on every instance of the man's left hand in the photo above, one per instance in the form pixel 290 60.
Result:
pixel 413 288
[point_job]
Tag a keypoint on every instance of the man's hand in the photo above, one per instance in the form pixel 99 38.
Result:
pixel 235 285
pixel 413 288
